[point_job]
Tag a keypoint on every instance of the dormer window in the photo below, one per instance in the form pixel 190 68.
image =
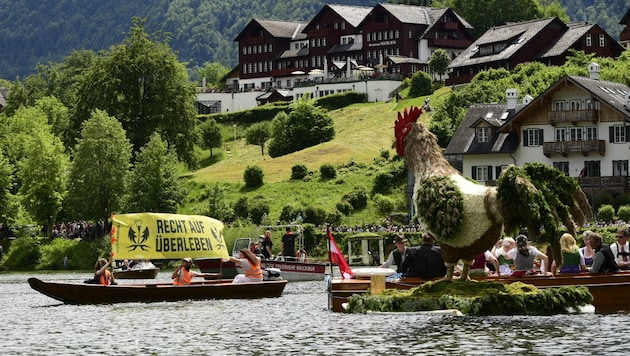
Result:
pixel 483 133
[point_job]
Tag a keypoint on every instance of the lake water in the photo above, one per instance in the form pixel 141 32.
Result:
pixel 296 323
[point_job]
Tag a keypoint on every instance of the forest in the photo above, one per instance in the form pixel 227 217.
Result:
pixel 200 31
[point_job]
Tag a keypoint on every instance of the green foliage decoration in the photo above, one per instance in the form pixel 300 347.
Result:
pixel 475 298
pixel 441 206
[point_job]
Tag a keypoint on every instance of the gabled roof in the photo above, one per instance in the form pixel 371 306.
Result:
pixel 292 53
pixel 607 93
pixel 625 17
pixel 495 115
pixel 517 36
pixel 349 47
pixel 353 15
pixel 279 29
pixel 403 60
pixel 574 33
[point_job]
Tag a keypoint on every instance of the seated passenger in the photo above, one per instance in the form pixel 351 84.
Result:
pixel 571 259
pixel 102 273
pixel 621 248
pixel 183 276
pixel 425 261
pixel 505 262
pixel 301 256
pixel 524 256
pixel 250 265
pixel 480 262
pixel 587 251
pixel 604 260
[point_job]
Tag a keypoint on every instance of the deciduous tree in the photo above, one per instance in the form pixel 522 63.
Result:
pixel 258 134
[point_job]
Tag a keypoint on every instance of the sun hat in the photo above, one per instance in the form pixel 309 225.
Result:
pixel 187 259
pixel 400 238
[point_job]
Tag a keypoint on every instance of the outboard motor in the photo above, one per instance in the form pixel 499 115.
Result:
pixel 272 274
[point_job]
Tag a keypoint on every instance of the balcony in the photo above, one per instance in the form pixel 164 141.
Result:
pixel 441 42
pixel 566 147
pixel 573 116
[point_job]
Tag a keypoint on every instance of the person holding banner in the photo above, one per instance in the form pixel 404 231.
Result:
pixel 182 276
pixel 250 264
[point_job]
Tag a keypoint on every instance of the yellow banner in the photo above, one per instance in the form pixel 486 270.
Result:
pixel 166 236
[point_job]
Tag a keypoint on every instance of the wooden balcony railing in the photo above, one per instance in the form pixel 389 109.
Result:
pixel 573 116
pixel 566 147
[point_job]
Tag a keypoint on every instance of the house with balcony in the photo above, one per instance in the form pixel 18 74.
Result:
pixel 579 125
pixel 548 41
pixel 624 36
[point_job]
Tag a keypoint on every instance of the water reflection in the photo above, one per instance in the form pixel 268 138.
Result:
pixel 296 323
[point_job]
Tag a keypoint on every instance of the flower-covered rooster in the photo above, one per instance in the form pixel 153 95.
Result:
pixel 467 218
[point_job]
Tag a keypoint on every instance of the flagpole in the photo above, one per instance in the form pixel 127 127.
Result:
pixel 329 254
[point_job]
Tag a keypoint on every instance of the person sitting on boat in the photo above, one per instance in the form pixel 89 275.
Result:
pixel 571 258
pixel 621 248
pixel 183 276
pixel 254 248
pixel 288 244
pixel 250 264
pixel 301 255
pixel 424 262
pixel 501 254
pixel 604 260
pixel 397 255
pixel 587 251
pixel 266 245
pixel 481 261
pixel 524 256
pixel 102 273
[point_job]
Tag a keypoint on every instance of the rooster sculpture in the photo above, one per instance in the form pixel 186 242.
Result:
pixel 467 218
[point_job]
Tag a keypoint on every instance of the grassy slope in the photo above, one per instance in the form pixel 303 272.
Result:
pixel 363 131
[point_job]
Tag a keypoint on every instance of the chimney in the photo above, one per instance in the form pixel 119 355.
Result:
pixel 527 99
pixel 593 71
pixel 512 97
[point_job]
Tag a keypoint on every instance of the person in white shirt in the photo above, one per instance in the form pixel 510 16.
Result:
pixel 621 248
pixel 398 255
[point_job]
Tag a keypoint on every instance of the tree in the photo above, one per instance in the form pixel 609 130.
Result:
pixel 155 186
pixel 58 116
pixel 142 84
pixel 439 61
pixel 258 134
pixel 99 172
pixel 253 177
pixel 211 136
pixel 214 74
pixel 421 84
pixel 6 197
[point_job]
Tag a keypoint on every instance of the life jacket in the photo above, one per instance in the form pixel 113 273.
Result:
pixel 254 272
pixel 183 278
pixel 104 278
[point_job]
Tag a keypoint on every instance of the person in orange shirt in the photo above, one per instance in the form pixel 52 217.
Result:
pixel 182 276
pixel 102 273
pixel 250 264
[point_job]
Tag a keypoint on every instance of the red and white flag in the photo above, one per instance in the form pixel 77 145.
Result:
pixel 336 257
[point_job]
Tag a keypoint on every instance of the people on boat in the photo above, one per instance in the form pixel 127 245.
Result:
pixel 524 255
pixel 301 255
pixel 288 244
pixel 266 245
pixel 480 264
pixel 425 261
pixel 621 249
pixel 254 248
pixel 571 258
pixel 250 264
pixel 397 255
pixel 604 260
pixel 587 250
pixel 102 273
pixel 183 275
pixel 501 254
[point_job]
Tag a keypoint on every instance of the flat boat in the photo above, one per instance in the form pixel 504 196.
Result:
pixel 141 273
pixel 82 293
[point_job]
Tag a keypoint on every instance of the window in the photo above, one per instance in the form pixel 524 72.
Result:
pixel 592 168
pixel 620 168
pixel 558 105
pixel 482 134
pixel 562 166
pixel 575 133
pixel 591 133
pixel 602 41
pixel 561 134
pixel 618 134
pixel 533 137
pixel 481 173
pixel 589 40
pixel 343 25
pixel 575 104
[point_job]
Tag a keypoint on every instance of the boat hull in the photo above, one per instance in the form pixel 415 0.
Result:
pixel 146 273
pixel 607 289
pixel 291 270
pixel 81 293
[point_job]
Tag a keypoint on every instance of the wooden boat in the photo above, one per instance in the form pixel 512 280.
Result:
pixel 608 289
pixel 291 270
pixel 140 273
pixel 81 293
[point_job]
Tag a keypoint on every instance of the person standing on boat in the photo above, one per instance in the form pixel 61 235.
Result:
pixel 266 245
pixel 621 248
pixel 250 264
pixel 288 244
pixel 604 260
pixel 397 256
pixel 182 276
pixel 102 273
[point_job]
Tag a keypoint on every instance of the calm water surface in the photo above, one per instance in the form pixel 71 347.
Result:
pixel 296 323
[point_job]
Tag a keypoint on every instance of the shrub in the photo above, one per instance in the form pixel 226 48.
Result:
pixel 345 207
pixel 385 154
pixel 421 84
pixel 314 215
pixel 384 204
pixel 253 177
pixel 241 208
pixel 383 183
pixel 287 213
pixel 24 254
pixel 298 171
pixel 606 213
pixel 258 210
pixel 358 198
pixel 328 171
pixel 623 213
